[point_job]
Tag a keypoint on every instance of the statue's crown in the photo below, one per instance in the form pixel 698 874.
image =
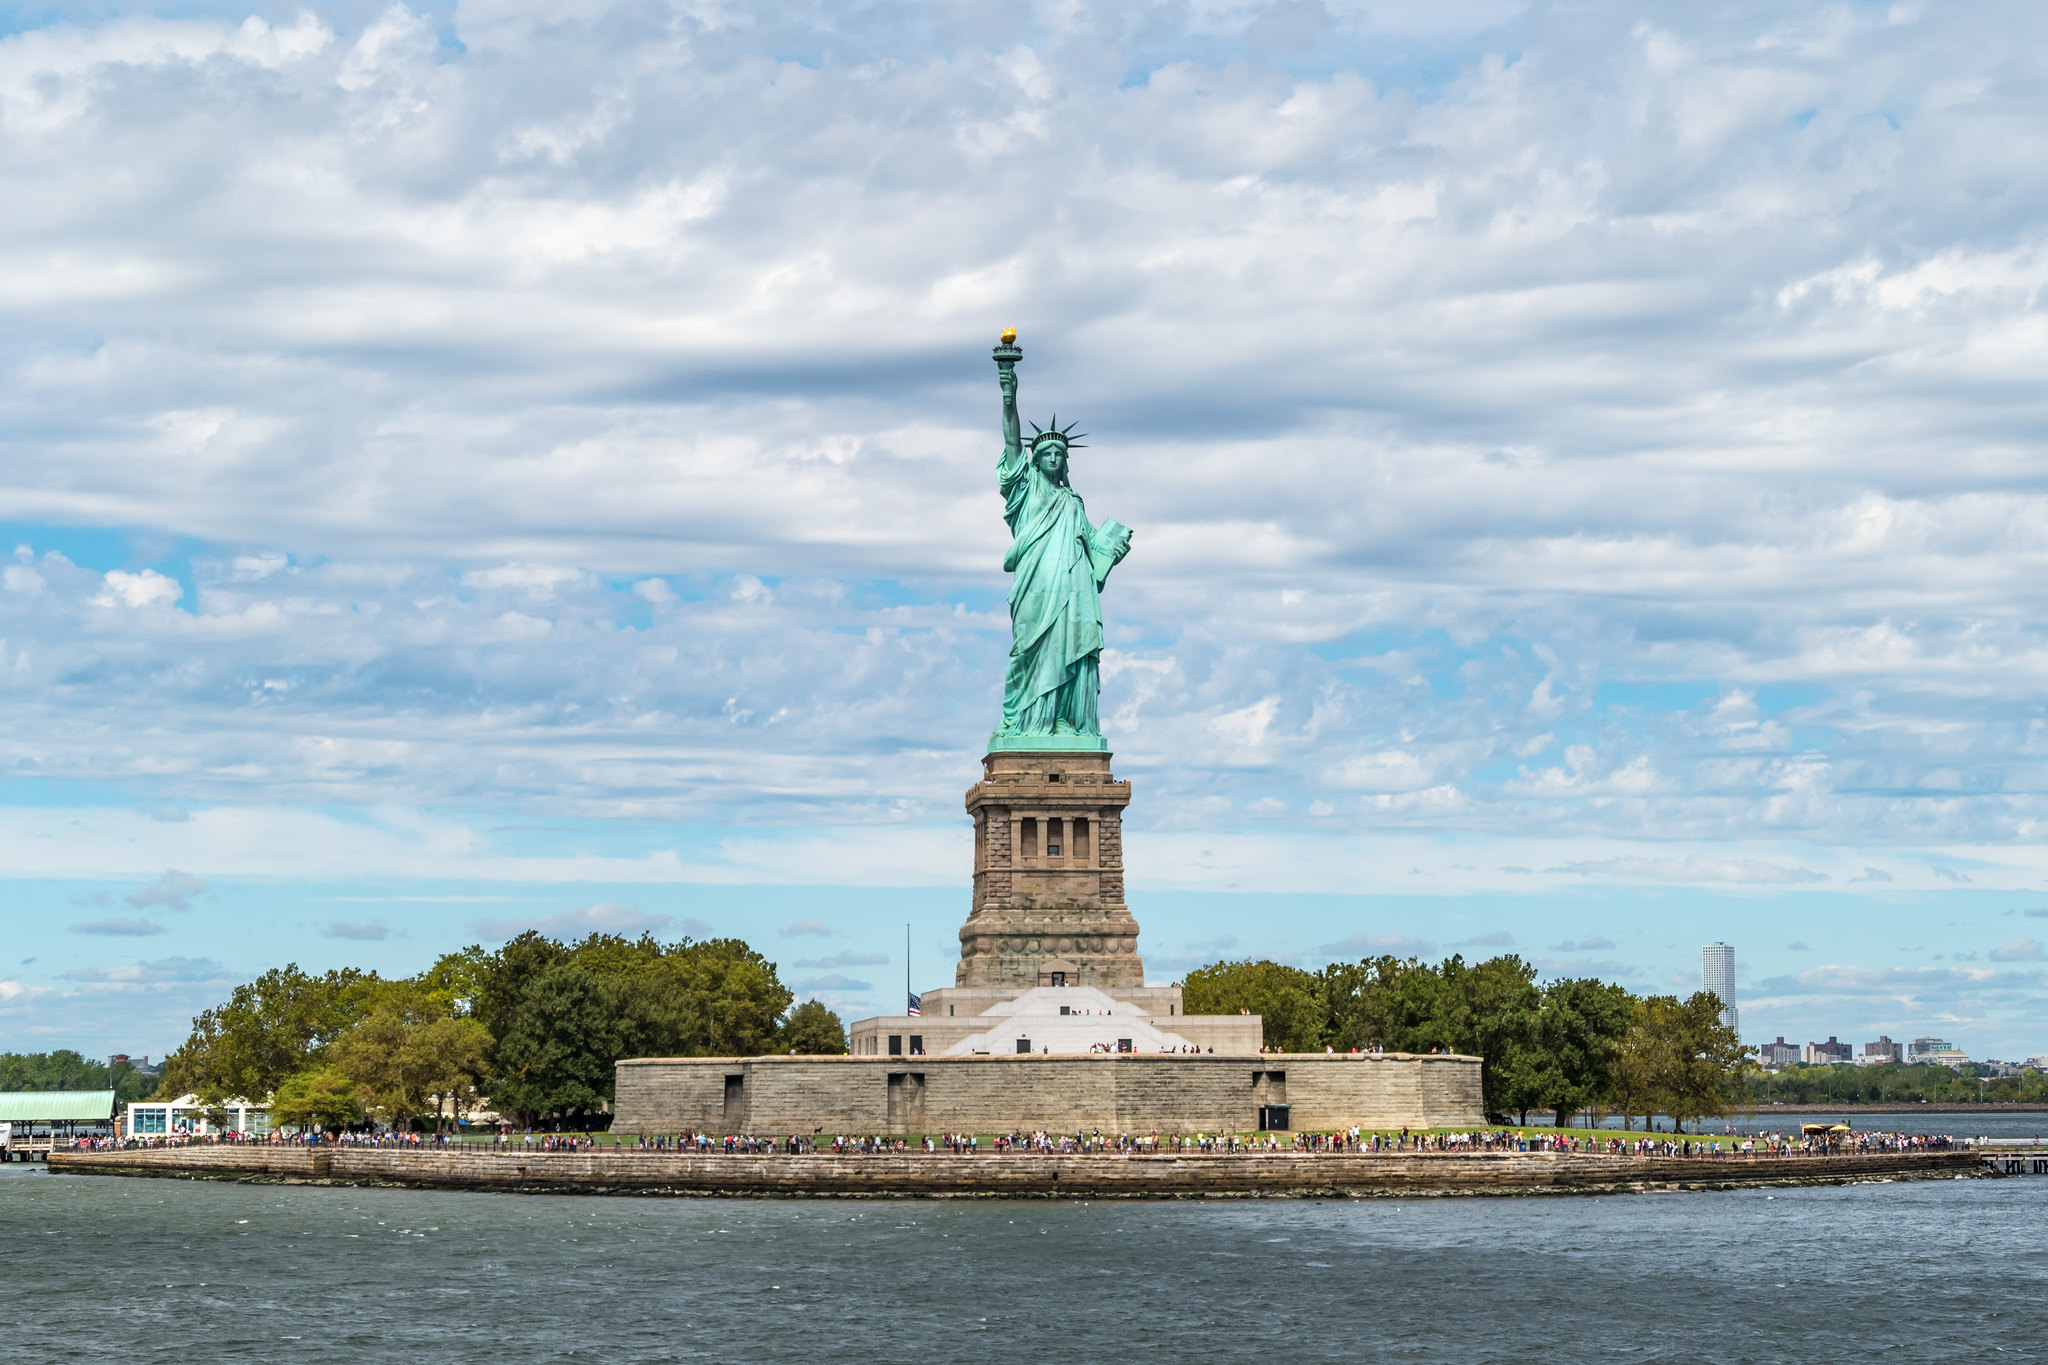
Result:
pixel 1064 435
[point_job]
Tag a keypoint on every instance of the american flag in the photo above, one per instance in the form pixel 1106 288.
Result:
pixel 916 1001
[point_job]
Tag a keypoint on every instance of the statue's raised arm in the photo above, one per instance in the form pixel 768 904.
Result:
pixel 1006 377
pixel 1061 560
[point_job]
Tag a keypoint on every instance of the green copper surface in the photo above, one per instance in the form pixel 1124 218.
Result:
pixel 1047 744
pixel 1061 560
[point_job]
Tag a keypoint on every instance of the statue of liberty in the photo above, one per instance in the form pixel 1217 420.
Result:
pixel 1054 683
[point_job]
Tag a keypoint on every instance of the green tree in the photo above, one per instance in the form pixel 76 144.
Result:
pixel 1287 999
pixel 59 1070
pixel 1490 1010
pixel 1891 1084
pixel 380 1057
pixel 65 1069
pixel 502 978
pixel 814 1030
pixel 718 998
pixel 455 980
pixel 1485 1009
pixel 320 1097
pixel 1580 1029
pixel 129 1083
pixel 1641 1063
pixel 560 1014
pixel 450 1058
pixel 1705 1060
pixel 560 1045
pixel 1383 1002
pixel 278 1024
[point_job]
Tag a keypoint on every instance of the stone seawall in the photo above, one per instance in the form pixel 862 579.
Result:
pixel 1061 1093
pixel 1277 1174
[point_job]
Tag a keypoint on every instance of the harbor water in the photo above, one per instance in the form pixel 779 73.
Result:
pixel 111 1267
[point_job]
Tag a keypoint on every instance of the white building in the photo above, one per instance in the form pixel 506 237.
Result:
pixel 187 1117
pixel 964 1022
pixel 1937 1051
pixel 1717 974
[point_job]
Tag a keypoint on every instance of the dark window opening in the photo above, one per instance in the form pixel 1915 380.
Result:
pixel 1029 837
pixel 1052 777
pixel 1059 979
pixel 1080 839
pixel 735 1101
pixel 1023 1045
pixel 917 1045
pixel 895 1045
pixel 1063 1009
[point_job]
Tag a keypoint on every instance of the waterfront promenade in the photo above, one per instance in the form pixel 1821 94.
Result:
pixel 1013 1174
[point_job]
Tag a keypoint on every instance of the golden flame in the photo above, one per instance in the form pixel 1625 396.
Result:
pixel 1009 337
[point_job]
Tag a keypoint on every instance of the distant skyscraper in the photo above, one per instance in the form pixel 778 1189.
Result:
pixel 1717 974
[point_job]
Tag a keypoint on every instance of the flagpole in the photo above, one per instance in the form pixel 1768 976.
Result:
pixel 906 966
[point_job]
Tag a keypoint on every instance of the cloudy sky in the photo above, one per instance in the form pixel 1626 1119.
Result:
pixel 498 465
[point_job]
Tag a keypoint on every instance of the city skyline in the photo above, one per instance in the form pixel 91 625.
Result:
pixel 479 469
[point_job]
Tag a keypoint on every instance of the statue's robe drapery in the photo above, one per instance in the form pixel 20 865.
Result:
pixel 1060 562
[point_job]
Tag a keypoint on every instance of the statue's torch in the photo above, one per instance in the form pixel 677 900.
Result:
pixel 1008 352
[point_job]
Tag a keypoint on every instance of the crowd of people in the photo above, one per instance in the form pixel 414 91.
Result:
pixel 1352 1140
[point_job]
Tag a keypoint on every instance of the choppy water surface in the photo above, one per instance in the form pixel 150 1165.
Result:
pixel 104 1267
pixel 1988 1121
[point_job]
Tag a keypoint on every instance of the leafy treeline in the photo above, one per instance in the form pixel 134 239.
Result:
pixel 67 1070
pixel 1852 1084
pixel 1569 1045
pixel 536 1026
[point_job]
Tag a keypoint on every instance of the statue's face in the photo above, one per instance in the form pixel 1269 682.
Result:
pixel 1052 458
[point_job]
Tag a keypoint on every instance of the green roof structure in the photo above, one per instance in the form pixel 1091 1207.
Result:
pixel 56 1106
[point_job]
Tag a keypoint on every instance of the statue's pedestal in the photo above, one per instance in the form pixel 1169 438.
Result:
pixel 1048 875
pixel 1049 953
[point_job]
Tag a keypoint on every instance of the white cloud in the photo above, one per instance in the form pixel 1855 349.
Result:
pixel 816 928
pixel 532 580
pixel 1376 945
pixel 843 960
pixel 257 567
pixel 1627 448
pixel 175 889
pixel 2020 950
pixel 831 982
pixel 602 918
pixel 1382 772
pixel 118 928
pixel 140 976
pixel 366 931
pixel 18 995
pixel 145 589
pixel 1694 870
